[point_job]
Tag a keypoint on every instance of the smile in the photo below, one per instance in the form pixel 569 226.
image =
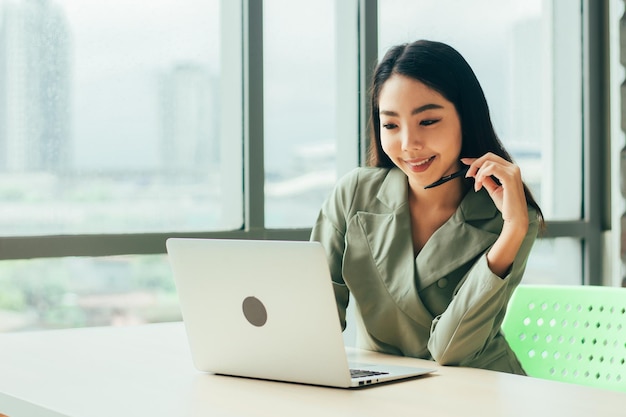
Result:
pixel 414 163
pixel 419 165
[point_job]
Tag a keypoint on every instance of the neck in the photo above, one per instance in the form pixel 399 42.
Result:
pixel 447 195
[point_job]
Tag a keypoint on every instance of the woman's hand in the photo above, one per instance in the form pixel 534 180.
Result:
pixel 508 192
pixel 503 181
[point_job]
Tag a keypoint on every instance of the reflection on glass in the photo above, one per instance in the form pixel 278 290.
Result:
pixel 109 116
pixel 526 54
pixel 299 109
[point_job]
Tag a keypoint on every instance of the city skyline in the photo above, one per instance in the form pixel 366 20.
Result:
pixel 65 110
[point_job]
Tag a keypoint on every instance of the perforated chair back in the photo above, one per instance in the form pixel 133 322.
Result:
pixel 570 333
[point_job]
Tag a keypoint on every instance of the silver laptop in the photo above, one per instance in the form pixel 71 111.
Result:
pixel 266 309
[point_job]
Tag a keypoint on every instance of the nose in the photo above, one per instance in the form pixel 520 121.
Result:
pixel 411 140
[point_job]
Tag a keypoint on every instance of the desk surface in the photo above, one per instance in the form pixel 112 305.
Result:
pixel 147 371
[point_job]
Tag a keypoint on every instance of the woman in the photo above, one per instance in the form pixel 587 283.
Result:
pixel 431 269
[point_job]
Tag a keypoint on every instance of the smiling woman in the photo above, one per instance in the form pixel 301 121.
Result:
pixel 430 269
pixel 535 108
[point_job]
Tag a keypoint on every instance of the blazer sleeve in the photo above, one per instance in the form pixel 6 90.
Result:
pixel 473 317
pixel 330 229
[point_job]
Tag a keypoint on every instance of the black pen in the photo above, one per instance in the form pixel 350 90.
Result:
pixel 447 178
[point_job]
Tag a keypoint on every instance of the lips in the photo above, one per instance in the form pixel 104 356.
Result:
pixel 419 165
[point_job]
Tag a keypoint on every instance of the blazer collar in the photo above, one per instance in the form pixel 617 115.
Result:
pixel 394 194
pixel 460 239
pixel 394 190
pixel 456 242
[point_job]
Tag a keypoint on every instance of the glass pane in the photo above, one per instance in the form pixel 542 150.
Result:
pixel 78 292
pixel 110 117
pixel 527 56
pixel 545 264
pixel 299 109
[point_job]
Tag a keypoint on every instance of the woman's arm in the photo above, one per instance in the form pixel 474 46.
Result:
pixel 332 240
pixel 475 313
pixel 503 181
pixel 329 230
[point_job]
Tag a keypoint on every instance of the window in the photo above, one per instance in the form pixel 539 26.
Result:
pixel 300 109
pixel 122 124
pixel 112 126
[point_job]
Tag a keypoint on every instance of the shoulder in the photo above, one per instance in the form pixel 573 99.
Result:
pixel 356 188
pixel 361 179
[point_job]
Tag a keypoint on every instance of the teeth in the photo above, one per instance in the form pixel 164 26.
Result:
pixel 420 163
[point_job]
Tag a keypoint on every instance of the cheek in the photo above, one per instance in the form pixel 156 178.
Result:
pixel 387 143
pixel 451 141
pixel 459 142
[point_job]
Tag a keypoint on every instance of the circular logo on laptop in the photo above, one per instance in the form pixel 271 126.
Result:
pixel 254 311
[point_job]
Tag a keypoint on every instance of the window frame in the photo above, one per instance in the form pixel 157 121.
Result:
pixel 596 204
pixel 361 33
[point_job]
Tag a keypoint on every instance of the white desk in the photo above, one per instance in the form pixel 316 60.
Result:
pixel 147 371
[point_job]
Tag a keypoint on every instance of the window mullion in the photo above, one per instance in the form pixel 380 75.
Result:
pixel 254 168
pixel 594 137
pixel 368 55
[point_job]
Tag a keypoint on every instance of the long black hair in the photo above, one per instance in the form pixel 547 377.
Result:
pixel 442 68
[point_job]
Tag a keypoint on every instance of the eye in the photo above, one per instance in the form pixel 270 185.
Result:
pixel 389 126
pixel 429 122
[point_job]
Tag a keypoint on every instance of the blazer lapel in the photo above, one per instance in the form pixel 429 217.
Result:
pixel 381 242
pixel 385 238
pixel 457 241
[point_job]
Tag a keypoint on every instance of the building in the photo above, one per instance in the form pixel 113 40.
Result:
pixel 35 78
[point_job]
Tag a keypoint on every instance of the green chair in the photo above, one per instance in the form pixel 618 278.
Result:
pixel 572 334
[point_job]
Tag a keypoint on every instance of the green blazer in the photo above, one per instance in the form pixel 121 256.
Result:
pixel 445 304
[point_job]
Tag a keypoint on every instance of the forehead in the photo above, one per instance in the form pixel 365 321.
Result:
pixel 399 91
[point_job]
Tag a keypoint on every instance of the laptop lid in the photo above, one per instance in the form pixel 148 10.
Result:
pixel 263 309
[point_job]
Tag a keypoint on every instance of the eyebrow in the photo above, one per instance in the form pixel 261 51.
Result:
pixel 415 111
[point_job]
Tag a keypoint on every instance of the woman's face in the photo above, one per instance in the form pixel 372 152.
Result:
pixel 420 130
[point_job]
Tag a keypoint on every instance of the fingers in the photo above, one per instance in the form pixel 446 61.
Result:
pixel 491 172
pixel 489 184
pixel 503 181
